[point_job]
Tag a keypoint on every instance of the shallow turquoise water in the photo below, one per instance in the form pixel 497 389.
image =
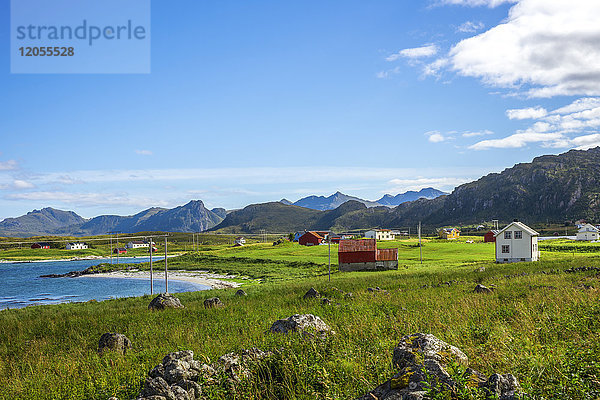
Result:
pixel 21 286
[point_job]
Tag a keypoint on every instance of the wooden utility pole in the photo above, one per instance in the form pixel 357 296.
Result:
pixel 166 272
pixel 420 246
pixel 329 249
pixel 151 275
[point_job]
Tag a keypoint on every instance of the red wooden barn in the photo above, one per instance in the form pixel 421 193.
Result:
pixel 120 250
pixel 311 238
pixel 357 255
pixel 490 236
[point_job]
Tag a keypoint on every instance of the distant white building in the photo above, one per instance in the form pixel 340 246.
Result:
pixel 380 234
pixel 588 232
pixel 137 244
pixel 517 242
pixel 76 246
pixel 240 241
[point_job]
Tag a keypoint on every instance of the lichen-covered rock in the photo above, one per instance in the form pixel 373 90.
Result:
pixel 164 301
pixel 235 365
pixel 180 377
pixel 503 387
pixel 304 323
pixel 422 361
pixel 482 289
pixel 157 387
pixel 421 346
pixel 213 302
pixel 114 342
pixel 311 294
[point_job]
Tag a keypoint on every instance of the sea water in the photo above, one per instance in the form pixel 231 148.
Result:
pixel 21 285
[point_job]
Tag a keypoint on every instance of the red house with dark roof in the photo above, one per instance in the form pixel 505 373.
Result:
pixel 40 245
pixel 363 255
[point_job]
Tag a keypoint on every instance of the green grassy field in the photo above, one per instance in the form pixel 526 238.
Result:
pixel 12 250
pixel 541 324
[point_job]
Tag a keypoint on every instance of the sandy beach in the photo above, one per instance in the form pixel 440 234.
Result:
pixel 215 281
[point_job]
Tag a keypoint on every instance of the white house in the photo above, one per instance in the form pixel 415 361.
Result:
pixel 137 244
pixel 380 234
pixel 516 242
pixel 76 246
pixel 588 232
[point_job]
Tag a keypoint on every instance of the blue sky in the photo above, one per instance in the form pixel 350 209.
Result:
pixel 249 102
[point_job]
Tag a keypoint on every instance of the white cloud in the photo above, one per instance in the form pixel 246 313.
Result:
pixel 517 140
pixel 485 132
pixel 434 68
pixel 583 104
pixel 387 73
pixel 144 152
pixel 8 165
pixel 587 141
pixel 527 113
pixel 476 3
pixel 416 52
pixel 420 182
pixel 470 27
pixel 21 184
pixel 89 199
pixel 554 128
pixel 435 136
pixel 545 48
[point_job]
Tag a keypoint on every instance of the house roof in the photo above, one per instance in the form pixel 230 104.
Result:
pixel 590 226
pixel 518 225
pixel 494 231
pixel 449 230
pixel 357 245
pixel 313 233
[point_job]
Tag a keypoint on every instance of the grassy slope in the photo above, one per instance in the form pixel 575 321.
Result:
pixel 547 337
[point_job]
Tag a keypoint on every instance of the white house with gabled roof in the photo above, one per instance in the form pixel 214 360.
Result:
pixel 588 232
pixel 380 234
pixel 516 242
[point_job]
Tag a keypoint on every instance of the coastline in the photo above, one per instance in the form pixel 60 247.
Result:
pixel 215 281
pixel 158 258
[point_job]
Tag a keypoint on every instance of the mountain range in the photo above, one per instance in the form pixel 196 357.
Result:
pixel 323 203
pixel 192 217
pixel 551 188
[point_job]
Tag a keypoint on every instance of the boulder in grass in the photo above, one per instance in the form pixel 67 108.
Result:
pixel 179 376
pixel 311 294
pixel 482 289
pixel 213 302
pixel 164 301
pixel 240 293
pixel 303 323
pixel 422 362
pixel 116 342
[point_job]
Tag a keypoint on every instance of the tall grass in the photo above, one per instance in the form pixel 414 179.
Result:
pixel 540 323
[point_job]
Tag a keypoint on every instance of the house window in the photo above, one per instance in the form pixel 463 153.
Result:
pixel 518 234
pixel 535 247
pixel 505 248
pixel 507 235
